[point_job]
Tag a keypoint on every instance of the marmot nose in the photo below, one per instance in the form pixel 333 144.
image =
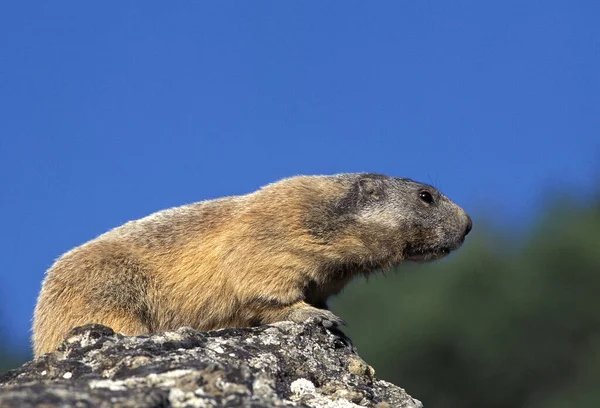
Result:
pixel 469 225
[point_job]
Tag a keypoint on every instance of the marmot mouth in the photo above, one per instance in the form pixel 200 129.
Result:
pixel 426 254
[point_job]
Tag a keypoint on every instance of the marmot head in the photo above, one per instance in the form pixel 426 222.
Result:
pixel 395 219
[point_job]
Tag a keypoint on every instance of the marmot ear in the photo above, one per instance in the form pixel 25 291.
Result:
pixel 370 188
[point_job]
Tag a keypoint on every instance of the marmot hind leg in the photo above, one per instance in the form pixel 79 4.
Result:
pixel 46 341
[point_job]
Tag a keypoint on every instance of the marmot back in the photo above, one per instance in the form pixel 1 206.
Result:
pixel 275 254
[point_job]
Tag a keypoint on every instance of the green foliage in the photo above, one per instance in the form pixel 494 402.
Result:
pixel 7 362
pixel 10 358
pixel 506 322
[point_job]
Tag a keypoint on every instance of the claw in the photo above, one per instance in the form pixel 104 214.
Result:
pixel 328 319
pixel 320 316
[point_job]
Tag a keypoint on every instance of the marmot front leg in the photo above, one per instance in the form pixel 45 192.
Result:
pixel 300 312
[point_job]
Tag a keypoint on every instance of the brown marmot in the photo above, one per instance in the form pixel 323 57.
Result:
pixel 275 254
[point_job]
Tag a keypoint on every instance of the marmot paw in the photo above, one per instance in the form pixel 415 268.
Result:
pixel 320 316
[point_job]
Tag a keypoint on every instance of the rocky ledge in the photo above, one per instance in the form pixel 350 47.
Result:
pixel 280 365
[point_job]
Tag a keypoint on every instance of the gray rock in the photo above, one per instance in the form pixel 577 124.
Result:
pixel 279 365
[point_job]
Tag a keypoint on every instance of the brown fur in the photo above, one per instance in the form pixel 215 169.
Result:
pixel 276 254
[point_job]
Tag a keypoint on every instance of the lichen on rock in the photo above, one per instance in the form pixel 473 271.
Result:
pixel 279 365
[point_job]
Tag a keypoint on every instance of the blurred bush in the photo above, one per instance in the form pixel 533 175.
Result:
pixel 9 357
pixel 508 321
pixel 7 362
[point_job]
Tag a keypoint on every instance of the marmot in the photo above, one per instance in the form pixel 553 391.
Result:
pixel 272 255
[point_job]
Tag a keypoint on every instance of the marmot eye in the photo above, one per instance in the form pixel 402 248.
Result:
pixel 426 196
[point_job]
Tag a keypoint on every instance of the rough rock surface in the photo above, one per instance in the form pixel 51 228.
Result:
pixel 280 365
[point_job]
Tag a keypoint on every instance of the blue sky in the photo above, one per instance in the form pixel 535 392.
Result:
pixel 113 110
